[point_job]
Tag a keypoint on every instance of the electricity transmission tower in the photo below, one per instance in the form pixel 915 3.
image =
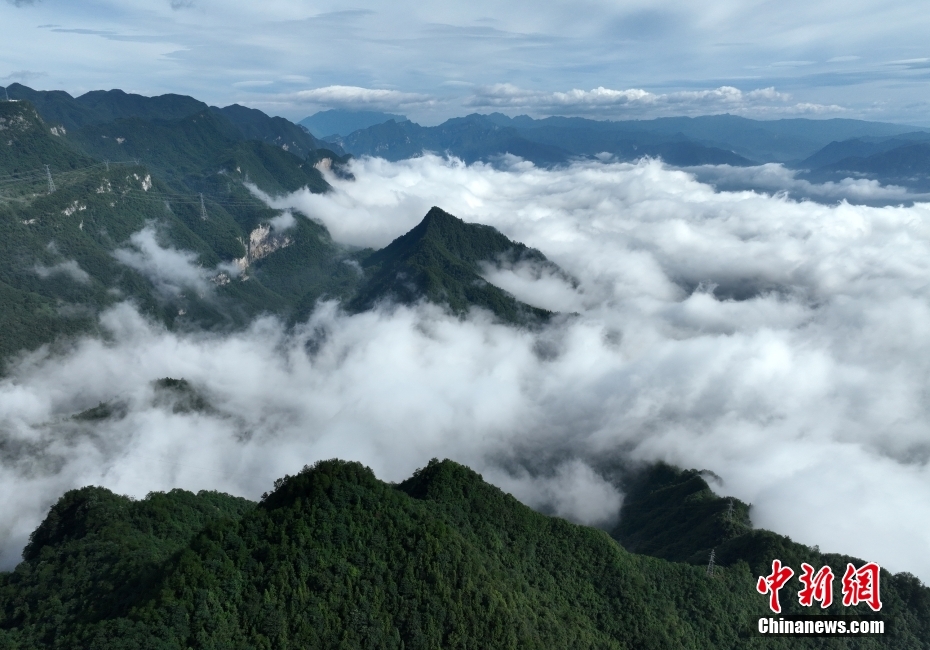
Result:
pixel 203 208
pixel 730 510
pixel 710 564
pixel 51 183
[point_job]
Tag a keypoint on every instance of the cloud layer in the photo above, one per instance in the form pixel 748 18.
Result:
pixel 777 343
pixel 868 58
pixel 639 102
pixel 354 97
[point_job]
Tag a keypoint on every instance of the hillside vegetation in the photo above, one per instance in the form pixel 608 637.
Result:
pixel 334 558
pixel 134 175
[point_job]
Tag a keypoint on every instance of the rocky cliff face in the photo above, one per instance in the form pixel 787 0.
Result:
pixel 263 241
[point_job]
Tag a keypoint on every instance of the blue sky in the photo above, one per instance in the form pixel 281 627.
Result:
pixel 433 60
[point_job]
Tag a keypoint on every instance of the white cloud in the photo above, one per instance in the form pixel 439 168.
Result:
pixel 354 97
pixel 573 491
pixel 169 269
pixel 283 221
pixel 69 268
pixel 777 343
pixel 606 101
pixel 416 47
pixel 777 179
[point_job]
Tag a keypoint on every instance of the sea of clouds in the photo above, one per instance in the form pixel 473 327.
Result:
pixel 781 344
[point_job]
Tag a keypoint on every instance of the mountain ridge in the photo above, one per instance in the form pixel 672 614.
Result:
pixel 334 557
pixel 439 260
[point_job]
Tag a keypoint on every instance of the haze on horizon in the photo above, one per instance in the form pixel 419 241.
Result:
pixel 434 60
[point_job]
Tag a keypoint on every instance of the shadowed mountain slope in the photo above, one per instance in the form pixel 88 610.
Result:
pixel 67 254
pixel 906 165
pixel 187 149
pixel 674 515
pixel 342 122
pixel 100 106
pixel 255 125
pixel 859 148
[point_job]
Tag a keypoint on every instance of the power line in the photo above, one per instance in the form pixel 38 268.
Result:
pixel 51 183
pixel 27 177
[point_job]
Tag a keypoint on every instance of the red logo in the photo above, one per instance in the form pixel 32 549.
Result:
pixel 772 583
pixel 861 586
pixel 816 587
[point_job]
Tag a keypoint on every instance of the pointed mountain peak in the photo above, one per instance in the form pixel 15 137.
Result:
pixel 440 260
pixel 438 214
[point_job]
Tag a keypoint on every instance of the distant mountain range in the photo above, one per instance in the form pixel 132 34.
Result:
pixel 486 137
pixel 680 141
pixel 901 160
pixel 339 122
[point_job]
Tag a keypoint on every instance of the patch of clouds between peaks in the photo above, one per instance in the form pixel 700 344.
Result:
pixel 780 344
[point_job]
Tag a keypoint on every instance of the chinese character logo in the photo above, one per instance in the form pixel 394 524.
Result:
pixel 772 583
pixel 861 586
pixel 816 587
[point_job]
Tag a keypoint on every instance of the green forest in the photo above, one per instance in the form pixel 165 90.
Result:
pixel 335 558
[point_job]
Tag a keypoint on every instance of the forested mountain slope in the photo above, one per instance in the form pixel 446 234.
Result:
pixel 334 558
pixel 125 193
pixel 81 234
pixel 439 260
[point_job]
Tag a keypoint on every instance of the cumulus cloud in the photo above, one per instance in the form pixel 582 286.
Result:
pixel 355 97
pixel 635 100
pixel 779 343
